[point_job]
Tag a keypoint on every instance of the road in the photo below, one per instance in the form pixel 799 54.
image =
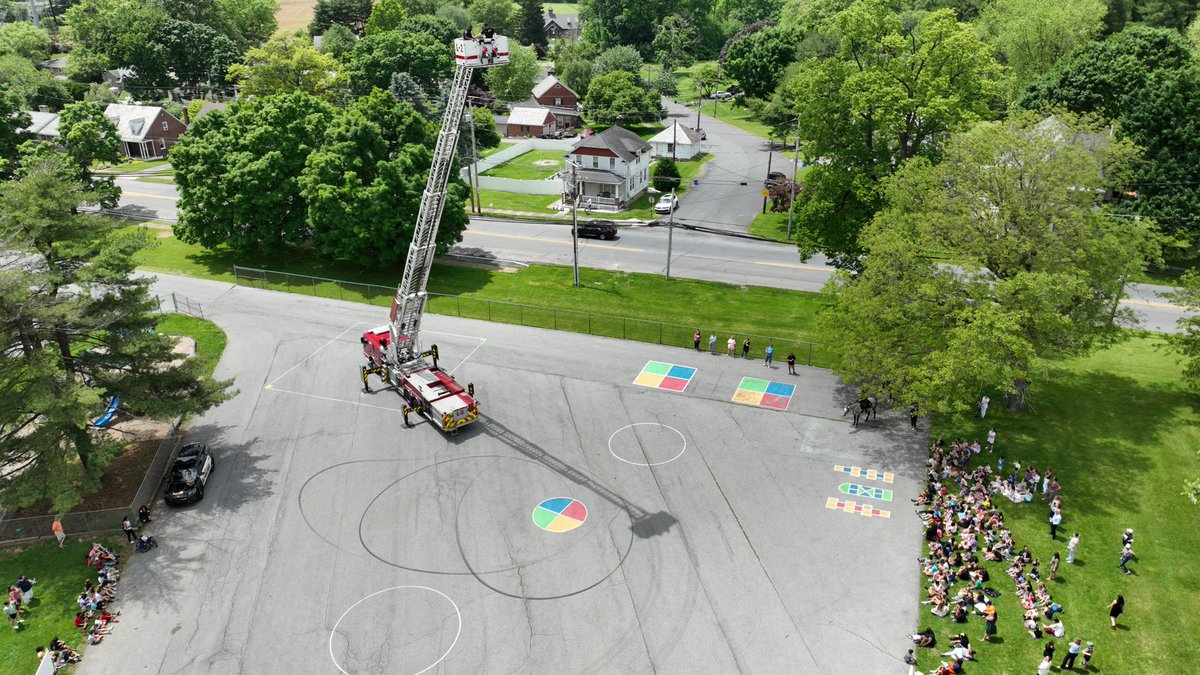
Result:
pixel 694 255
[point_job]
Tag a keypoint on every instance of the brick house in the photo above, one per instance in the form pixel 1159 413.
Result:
pixel 558 98
pixel 535 122
pixel 614 168
pixel 561 25
pixel 147 132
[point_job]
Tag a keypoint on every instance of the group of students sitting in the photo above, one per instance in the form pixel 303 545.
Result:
pixel 94 618
pixel 963 526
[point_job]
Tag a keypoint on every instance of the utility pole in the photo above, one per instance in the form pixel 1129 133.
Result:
pixel 670 233
pixel 473 172
pixel 767 182
pixel 674 140
pixel 575 220
pixel 699 102
pixel 792 203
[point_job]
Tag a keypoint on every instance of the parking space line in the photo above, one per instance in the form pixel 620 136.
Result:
pixel 319 350
pixel 329 398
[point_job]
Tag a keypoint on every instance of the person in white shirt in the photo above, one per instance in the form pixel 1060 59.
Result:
pixel 960 653
pixel 1044 666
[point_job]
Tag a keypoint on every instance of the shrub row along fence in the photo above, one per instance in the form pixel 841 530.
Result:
pixel 574 321
pixel 38 527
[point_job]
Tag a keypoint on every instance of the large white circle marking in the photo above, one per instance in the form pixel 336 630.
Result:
pixel 396 588
pixel 639 424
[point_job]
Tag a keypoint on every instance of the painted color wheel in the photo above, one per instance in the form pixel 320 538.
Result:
pixel 560 514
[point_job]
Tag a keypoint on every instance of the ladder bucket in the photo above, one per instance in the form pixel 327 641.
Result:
pixel 481 53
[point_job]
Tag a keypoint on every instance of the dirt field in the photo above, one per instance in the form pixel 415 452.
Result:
pixel 294 14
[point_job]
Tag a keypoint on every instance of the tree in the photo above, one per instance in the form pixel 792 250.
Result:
pixel 376 57
pixel 664 83
pixel 124 33
pixel 708 78
pixel 1040 267
pixel 533 23
pixel 619 59
pixel 895 90
pixel 609 23
pixel 406 89
pixel 363 186
pixel 1132 77
pixel 515 81
pixel 421 7
pixel 616 96
pixel 24 40
pixel 486 135
pixel 1173 14
pixel 749 11
pixel 757 61
pixel 1031 35
pixel 352 14
pixel 288 63
pixel 807 16
pixel 197 54
pixel 503 15
pixel 675 42
pixel 238 173
pixel 12 121
pixel 86 138
pixel 1193 35
pixel 33 86
pixel 385 15
pixel 251 22
pixel 338 41
pixel 665 175
pixel 440 29
pixel 455 15
pixel 77 327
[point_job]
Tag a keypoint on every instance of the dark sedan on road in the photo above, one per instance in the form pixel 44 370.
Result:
pixel 600 229
pixel 193 465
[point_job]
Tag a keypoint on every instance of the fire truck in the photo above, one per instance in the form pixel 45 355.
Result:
pixel 393 351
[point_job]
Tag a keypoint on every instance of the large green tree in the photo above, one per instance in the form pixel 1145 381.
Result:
pixel 757 61
pixel 675 42
pixel 288 63
pixel 375 57
pixel 12 120
pixel 25 40
pixel 123 33
pixel 894 91
pixel 385 15
pixel 338 41
pixel 251 21
pixel 532 29
pixel 1032 35
pixel 86 138
pixel 76 322
pixel 363 186
pixel 515 81
pixel 503 15
pixel 238 173
pixel 618 97
pixel 352 14
pixel 198 55
pixel 619 59
pixel 442 30
pixel 1039 266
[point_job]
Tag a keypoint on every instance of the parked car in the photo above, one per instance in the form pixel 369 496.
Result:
pixel 193 465
pixel 666 204
pixel 723 96
pixel 703 134
pixel 600 229
pixel 773 179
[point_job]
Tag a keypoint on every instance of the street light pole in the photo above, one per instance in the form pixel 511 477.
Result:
pixel 792 202
pixel 670 233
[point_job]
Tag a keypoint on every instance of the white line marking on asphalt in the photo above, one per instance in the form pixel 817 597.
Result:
pixel 396 588
pixel 639 424
pixel 328 398
pixel 339 336
pixel 481 341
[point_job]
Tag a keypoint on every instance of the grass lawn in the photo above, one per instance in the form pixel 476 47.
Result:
pixel 771 226
pixel 561 7
pixel 533 165
pixel 645 131
pixel 511 201
pixel 504 145
pixel 156 179
pixel 1121 434
pixel 210 340
pixel 137 165
pixel 60 574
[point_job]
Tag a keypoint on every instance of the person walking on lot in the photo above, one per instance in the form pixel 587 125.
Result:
pixel 769 354
pixel 791 361
pixel 912 416
pixel 1073 650
pixel 1072 546
pixel 746 348
pixel 127 528
pixel 57 527
pixel 1116 608
pixel 1126 554
pixel 696 340
pixel 730 345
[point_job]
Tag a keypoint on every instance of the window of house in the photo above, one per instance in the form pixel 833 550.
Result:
pixel 162 144
pixel 595 162
pixel 670 147
pixel 524 128
pixel 557 100
pixel 612 163
pixel 166 127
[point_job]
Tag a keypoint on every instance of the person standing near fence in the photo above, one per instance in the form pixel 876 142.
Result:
pixel 127 528
pixel 57 527
pixel 712 343
pixel 791 361
pixel 696 339
pixel 730 345
pixel 746 348
pixel 770 354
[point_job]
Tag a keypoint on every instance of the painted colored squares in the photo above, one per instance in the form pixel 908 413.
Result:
pixel 559 514
pixel 667 376
pixel 764 393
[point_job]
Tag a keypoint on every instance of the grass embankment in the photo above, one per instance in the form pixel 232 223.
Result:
pixel 60 574
pixel 637 301
pixel 1121 434
pixel 210 340
pixel 533 165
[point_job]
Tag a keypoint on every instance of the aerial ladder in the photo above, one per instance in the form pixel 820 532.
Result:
pixel 393 352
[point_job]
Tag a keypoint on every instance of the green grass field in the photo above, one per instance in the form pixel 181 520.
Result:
pixel 511 201
pixel 1121 434
pixel 60 574
pixel 533 165
pixel 210 340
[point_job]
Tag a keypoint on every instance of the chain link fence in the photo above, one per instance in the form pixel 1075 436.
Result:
pixel 574 321
pixel 105 520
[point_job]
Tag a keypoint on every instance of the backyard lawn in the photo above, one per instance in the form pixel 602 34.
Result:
pixel 60 574
pixel 1121 435
pixel 511 201
pixel 533 165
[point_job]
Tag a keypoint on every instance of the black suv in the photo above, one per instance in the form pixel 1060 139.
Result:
pixel 601 229
pixel 193 465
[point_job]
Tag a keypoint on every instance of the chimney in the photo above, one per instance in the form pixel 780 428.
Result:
pixel 550 12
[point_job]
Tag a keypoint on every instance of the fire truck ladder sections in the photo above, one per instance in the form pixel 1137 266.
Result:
pixel 411 296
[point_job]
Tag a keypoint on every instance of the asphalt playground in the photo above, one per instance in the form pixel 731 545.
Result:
pixel 588 524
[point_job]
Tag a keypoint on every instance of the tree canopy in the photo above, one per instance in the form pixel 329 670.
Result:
pixel 503 15
pixel 515 81
pixel 756 61
pixel 24 40
pixel 616 96
pixel 375 57
pixel 1039 267
pixel 352 14
pixel 385 15
pixel 1032 35
pixel 288 63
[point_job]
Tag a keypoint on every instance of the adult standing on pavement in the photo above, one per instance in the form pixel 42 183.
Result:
pixel 746 348
pixel 696 339
pixel 712 343
pixel 1072 546
pixel 1116 608
pixel 912 416
pixel 59 534
pixel 768 355
pixel 730 345
pixel 144 513
pixel 791 361
pixel 127 528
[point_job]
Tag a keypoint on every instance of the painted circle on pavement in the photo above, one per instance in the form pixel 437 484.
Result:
pixel 560 514
pixel 368 646
pixel 650 440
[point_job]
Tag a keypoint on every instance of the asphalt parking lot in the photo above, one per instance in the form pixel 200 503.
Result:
pixel 587 524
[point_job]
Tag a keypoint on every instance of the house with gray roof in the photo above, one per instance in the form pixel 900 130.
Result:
pixel 613 168
pixel 147 132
